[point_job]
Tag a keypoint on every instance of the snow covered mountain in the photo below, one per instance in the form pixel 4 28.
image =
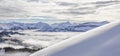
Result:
pixel 56 27
pixel 76 27
pixel 22 26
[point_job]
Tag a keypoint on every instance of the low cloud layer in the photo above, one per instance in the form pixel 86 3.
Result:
pixel 60 9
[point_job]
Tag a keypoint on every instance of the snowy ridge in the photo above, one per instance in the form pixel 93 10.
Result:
pixel 56 27
pixel 102 41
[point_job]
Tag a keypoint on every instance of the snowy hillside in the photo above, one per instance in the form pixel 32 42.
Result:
pixel 102 41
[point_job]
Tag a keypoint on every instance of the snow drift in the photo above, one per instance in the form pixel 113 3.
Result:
pixel 102 41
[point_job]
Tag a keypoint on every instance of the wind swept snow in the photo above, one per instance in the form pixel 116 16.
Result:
pixel 102 41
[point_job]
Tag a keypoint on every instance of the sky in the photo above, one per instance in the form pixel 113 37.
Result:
pixel 60 9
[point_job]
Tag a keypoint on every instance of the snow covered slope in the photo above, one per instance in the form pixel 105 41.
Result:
pixel 102 41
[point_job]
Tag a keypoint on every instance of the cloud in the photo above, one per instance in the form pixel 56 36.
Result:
pixel 104 3
pixel 60 9
pixel 33 0
pixel 66 4
pixel 42 1
pixel 10 8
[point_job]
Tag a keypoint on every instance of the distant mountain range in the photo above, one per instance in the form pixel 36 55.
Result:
pixel 56 27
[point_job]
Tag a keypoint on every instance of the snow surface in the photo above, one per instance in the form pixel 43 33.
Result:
pixel 102 41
